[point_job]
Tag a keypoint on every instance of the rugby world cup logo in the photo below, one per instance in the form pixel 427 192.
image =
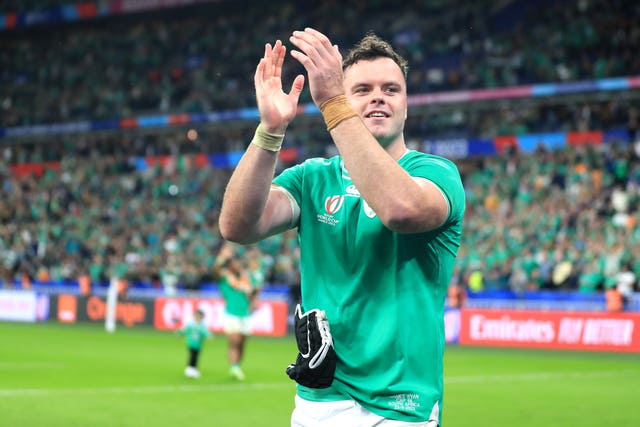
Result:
pixel 332 204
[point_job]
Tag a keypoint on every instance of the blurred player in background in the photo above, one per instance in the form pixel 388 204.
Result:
pixel 255 269
pixel 379 229
pixel 195 332
pixel 240 285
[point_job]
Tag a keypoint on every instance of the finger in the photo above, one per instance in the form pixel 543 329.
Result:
pixel 304 42
pixel 306 62
pixel 273 58
pixel 258 77
pixel 267 50
pixel 279 60
pixel 318 35
pixel 296 89
pixel 336 50
pixel 311 46
pixel 268 61
pixel 322 42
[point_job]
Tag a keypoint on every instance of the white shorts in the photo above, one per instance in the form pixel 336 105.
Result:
pixel 236 324
pixel 342 413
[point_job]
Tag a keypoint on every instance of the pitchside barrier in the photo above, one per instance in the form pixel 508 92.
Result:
pixel 497 322
pixel 270 316
pixel 551 329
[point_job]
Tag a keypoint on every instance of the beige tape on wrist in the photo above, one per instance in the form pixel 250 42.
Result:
pixel 267 141
pixel 336 110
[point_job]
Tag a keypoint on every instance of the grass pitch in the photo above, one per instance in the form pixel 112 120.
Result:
pixel 78 375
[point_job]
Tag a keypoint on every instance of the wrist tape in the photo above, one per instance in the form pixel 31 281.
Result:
pixel 267 141
pixel 335 110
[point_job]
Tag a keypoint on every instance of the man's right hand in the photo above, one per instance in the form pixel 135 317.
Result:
pixel 276 108
pixel 323 63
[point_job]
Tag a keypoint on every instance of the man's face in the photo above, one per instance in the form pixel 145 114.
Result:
pixel 378 92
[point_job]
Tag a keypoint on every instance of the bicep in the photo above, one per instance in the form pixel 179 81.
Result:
pixel 281 212
pixel 436 204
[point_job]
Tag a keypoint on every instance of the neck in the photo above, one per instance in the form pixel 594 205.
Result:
pixel 397 149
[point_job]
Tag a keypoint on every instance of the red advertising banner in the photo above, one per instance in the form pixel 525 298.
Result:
pixel 269 318
pixel 129 311
pixel 551 329
pixel 67 308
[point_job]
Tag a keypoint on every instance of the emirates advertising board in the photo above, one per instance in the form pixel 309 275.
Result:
pixel 597 331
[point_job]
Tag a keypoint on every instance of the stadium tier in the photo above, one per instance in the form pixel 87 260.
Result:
pixel 101 63
pixel 150 109
pixel 122 122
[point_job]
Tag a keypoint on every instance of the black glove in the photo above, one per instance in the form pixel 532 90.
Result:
pixel 316 361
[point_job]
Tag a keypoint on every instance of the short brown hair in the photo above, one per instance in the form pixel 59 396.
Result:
pixel 371 47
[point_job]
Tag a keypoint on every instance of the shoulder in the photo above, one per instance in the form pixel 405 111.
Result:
pixel 314 163
pixel 319 163
pixel 441 172
pixel 418 158
pixel 438 169
pixel 308 171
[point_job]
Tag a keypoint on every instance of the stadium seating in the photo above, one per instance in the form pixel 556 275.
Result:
pixel 196 59
pixel 572 212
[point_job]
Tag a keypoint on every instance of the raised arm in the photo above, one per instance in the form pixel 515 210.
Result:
pixel 365 108
pixel 251 209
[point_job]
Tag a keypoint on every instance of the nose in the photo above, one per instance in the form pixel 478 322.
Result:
pixel 377 97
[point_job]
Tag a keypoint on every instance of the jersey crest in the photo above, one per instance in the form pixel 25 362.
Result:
pixel 332 204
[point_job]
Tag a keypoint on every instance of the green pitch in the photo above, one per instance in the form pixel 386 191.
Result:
pixel 79 375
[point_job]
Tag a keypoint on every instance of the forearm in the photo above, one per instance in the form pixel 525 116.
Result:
pixel 388 189
pixel 246 195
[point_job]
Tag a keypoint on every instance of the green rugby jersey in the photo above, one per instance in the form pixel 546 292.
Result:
pixel 236 301
pixel 195 333
pixel 383 292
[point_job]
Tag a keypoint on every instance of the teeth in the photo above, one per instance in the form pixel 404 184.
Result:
pixel 376 115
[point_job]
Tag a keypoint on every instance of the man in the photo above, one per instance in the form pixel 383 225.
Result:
pixel 239 291
pixel 379 228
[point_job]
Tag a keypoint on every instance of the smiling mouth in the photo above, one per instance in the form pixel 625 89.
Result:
pixel 377 115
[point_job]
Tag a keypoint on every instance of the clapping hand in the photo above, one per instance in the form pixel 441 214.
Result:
pixel 276 107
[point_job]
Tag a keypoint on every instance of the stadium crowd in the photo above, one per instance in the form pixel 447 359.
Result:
pixel 200 58
pixel 564 219
pixel 310 141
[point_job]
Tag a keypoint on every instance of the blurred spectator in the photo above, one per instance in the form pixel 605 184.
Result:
pixel 197 58
pixel 99 214
pixel 573 212
pixel 626 281
pixel 456 295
